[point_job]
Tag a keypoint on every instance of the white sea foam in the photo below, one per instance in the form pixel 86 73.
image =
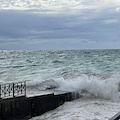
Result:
pixel 83 109
pixel 100 99
pixel 83 85
pixel 106 89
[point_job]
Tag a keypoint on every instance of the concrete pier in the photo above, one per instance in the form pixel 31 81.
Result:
pixel 24 108
pixel 15 105
pixel 116 117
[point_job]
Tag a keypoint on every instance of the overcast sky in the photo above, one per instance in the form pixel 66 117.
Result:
pixel 59 24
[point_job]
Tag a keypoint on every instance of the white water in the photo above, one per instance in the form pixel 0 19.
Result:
pixel 83 109
pixel 99 98
pixel 108 89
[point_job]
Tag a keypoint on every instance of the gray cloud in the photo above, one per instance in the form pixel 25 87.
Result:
pixel 29 30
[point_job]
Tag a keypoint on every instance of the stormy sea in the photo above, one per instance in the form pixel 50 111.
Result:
pixel 94 75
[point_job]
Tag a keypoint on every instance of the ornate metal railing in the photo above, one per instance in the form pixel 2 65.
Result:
pixel 13 90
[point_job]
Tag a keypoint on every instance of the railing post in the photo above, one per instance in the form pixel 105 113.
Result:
pixel 13 90
pixel 0 92
pixel 25 87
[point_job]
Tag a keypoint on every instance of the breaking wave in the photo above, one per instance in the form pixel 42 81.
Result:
pixel 94 86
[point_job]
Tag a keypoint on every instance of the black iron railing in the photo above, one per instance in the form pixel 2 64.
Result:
pixel 13 90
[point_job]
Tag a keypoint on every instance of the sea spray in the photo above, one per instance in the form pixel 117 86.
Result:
pixel 99 88
pixel 82 86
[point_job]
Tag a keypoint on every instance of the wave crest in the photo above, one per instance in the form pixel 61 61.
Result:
pixel 108 88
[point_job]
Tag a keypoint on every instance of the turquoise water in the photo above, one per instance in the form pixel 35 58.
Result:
pixel 65 70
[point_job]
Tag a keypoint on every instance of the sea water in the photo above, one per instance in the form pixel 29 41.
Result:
pixel 93 74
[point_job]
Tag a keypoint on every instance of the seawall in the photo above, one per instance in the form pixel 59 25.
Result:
pixel 24 108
